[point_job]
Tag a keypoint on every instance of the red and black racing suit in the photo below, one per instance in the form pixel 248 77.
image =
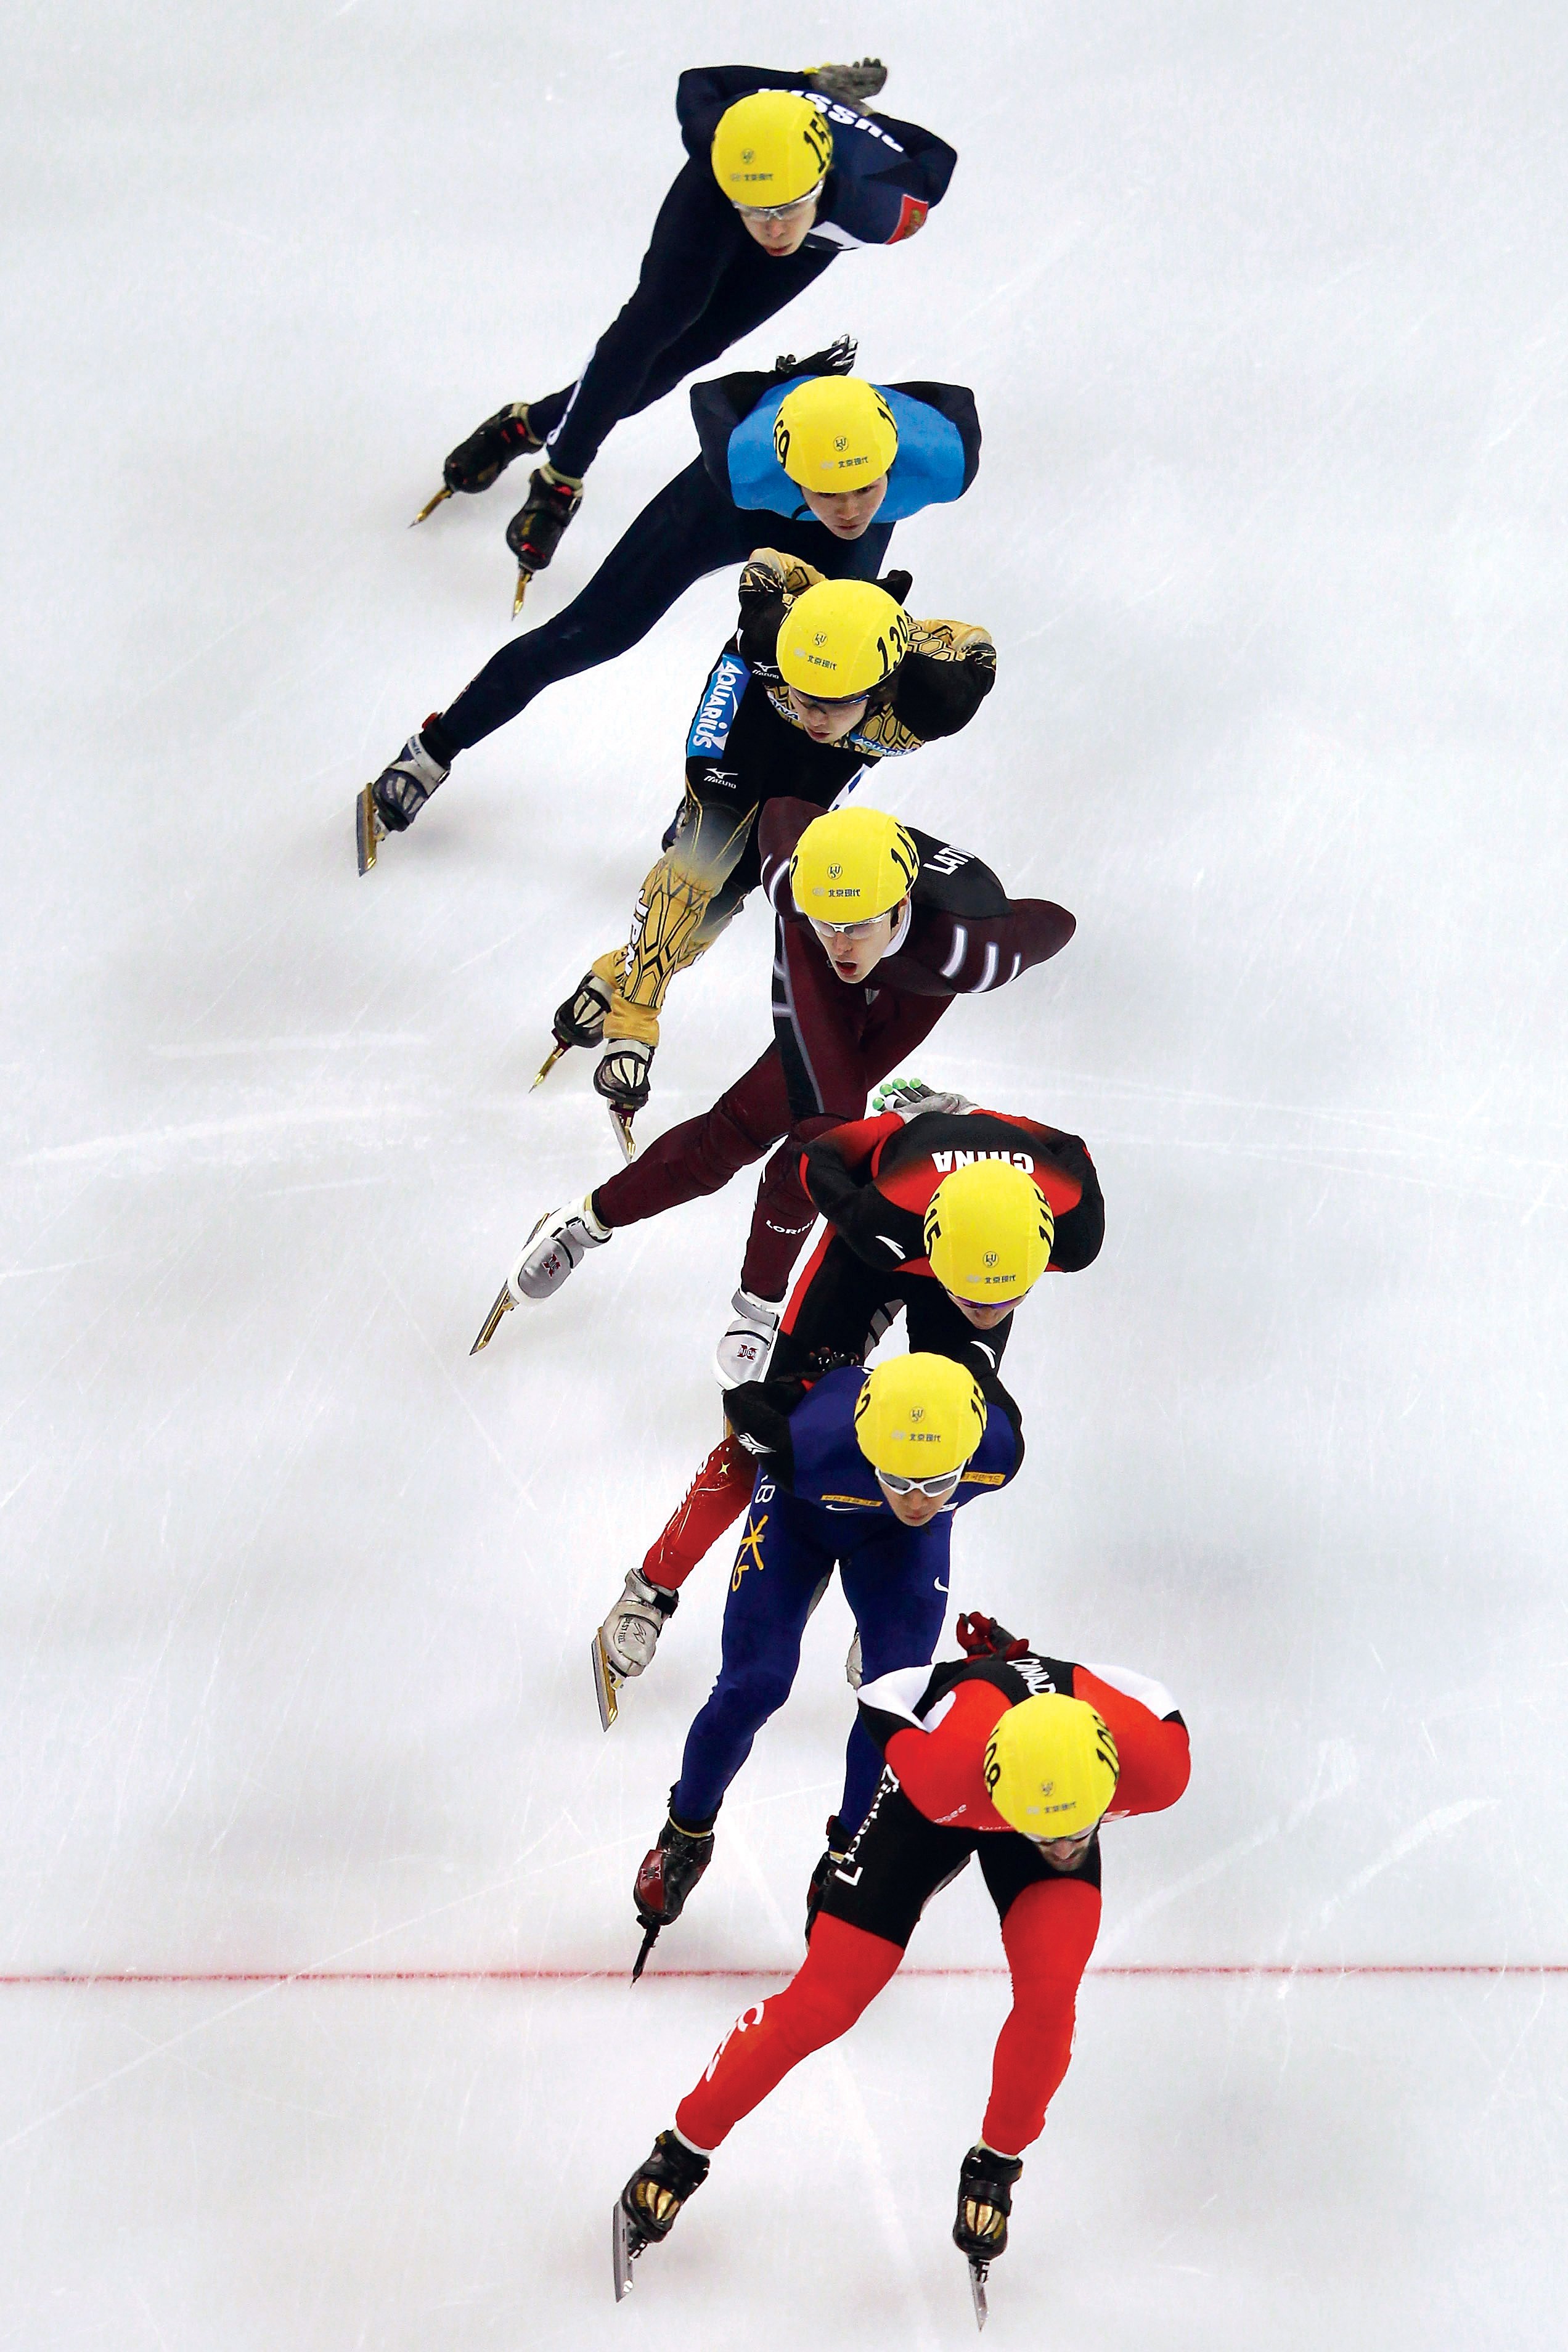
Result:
pixel 931 1813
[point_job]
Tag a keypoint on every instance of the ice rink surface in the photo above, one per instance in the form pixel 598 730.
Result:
pixel 1266 314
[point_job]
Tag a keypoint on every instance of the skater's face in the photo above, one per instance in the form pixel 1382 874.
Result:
pixel 847 514
pixel 985 1318
pixel 784 228
pixel 854 949
pixel 826 722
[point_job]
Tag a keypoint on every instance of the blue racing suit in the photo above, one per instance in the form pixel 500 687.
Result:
pixel 816 1505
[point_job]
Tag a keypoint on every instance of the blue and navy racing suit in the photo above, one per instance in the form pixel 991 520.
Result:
pixel 705 283
pixel 733 498
pixel 817 1504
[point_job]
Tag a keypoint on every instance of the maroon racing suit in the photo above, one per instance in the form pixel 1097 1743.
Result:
pixel 834 1040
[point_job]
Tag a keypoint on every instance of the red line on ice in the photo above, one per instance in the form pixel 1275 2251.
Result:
pixel 1279 1971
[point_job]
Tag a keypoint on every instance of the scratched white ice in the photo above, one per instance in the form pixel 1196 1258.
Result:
pixel 1265 311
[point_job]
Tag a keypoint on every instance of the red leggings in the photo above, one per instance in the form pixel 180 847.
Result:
pixel 1048 1934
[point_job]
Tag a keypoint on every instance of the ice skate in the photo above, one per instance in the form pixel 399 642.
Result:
pixel 625 1642
pixel 484 457
pixel 559 1242
pixel 534 534
pixel 580 1020
pixel 985 2185
pixel 746 1347
pixel 391 803
pixel 621 1079
pixel 668 1873
pixel 647 2207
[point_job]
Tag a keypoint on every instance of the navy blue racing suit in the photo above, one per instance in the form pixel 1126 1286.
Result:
pixel 817 1504
pixel 705 283
pixel 735 497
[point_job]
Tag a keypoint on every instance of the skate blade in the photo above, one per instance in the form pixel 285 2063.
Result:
pixel 549 1062
pixel 626 2245
pixel 431 506
pixel 978 2276
pixel 519 592
pixel 621 1120
pixel 505 1302
pixel 607 1683
pixel 367 829
pixel 650 1937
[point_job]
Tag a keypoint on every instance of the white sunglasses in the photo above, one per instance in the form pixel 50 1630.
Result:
pixel 780 212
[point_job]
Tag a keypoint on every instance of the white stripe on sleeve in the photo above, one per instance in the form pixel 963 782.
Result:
pixel 1142 1687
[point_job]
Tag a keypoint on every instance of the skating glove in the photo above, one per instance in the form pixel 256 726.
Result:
pixel 837 359
pixel 911 1098
pixel 980 1637
pixel 851 85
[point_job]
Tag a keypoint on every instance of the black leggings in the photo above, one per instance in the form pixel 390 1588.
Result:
pixel 690 529
pixel 703 284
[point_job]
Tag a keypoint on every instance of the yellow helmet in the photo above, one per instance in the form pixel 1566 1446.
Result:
pixel 834 433
pixel 772 148
pixel 988 1232
pixel 1052 1765
pixel 842 637
pixel 919 1416
pixel 851 865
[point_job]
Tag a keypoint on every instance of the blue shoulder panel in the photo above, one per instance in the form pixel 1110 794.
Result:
pixel 927 472
pixel 727 682
pixel 995 1462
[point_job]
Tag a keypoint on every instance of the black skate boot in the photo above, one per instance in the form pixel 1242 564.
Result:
pixel 669 1871
pixel 580 1020
pixel 534 534
pixel 391 803
pixel 487 453
pixel 622 1078
pixel 646 2207
pixel 838 1846
pixel 985 2185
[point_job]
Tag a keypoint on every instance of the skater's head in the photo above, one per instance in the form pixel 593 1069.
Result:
pixel 1051 1770
pixel 771 155
pixel 835 438
pixel 851 876
pixel 840 642
pixel 919 1420
pixel 989 1232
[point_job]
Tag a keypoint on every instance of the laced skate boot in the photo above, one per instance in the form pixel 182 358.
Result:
pixel 669 1872
pixel 621 1079
pixel 559 1242
pixel 985 2185
pixel 391 803
pixel 646 2207
pixel 580 1020
pixel 745 1351
pixel 833 1854
pixel 475 463
pixel 625 1642
pixel 534 534
pixel 487 453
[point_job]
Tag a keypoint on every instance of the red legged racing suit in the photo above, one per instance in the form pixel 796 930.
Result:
pixel 931 1813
